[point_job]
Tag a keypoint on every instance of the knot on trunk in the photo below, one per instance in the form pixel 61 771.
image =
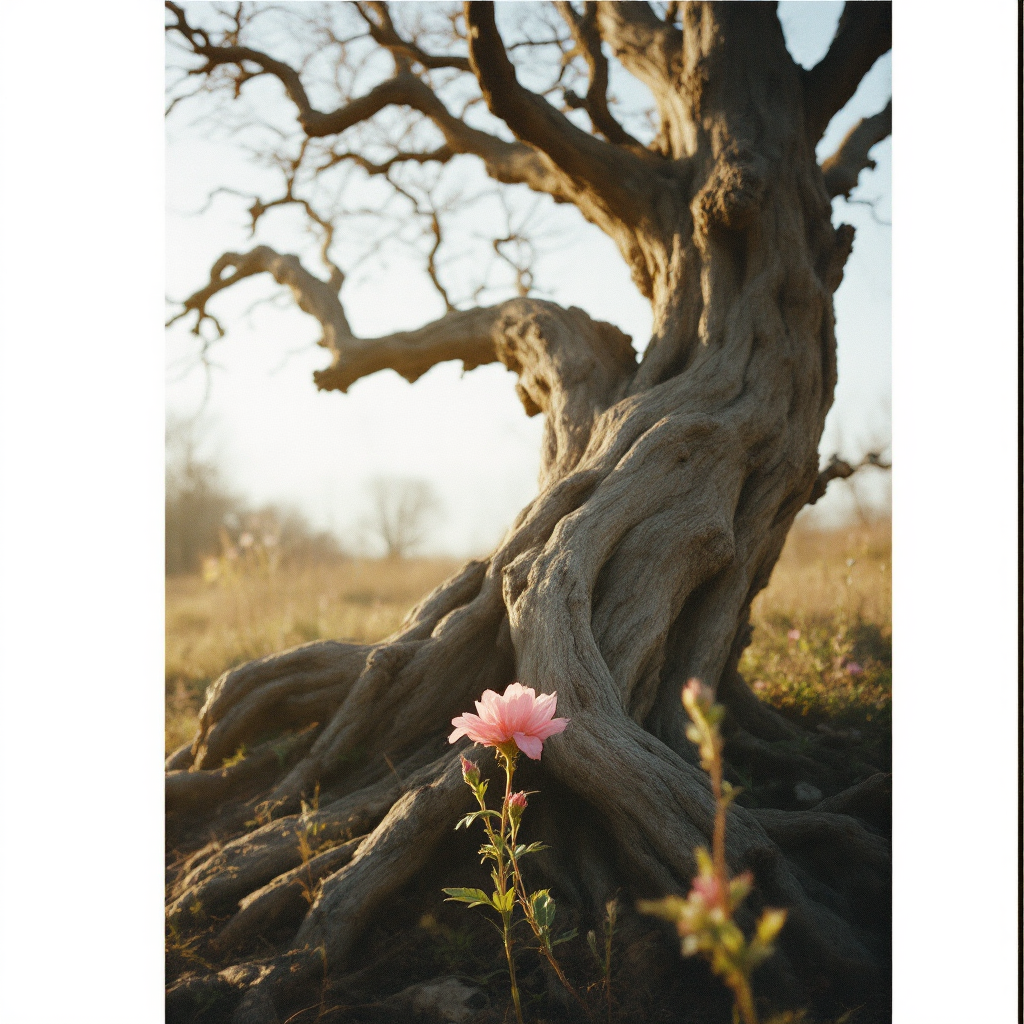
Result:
pixel 732 195
pixel 555 351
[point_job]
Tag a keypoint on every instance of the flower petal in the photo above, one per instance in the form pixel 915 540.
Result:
pixel 531 746
pixel 477 729
pixel 552 728
pixel 516 689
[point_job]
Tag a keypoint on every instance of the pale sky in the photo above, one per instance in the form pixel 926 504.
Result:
pixel 278 439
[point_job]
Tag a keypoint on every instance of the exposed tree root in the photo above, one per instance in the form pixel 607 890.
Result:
pixel 395 851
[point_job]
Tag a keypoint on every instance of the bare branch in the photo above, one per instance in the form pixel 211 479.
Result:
pixel 863 35
pixel 843 167
pixel 217 55
pixel 581 156
pixel 595 103
pixel 872 205
pixel 432 215
pixel 569 366
pixel 383 31
pixel 840 469
pixel 440 155
pixel 507 162
pixel 463 335
pixel 457 335
pixel 316 297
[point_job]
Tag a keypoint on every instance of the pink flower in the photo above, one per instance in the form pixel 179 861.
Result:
pixel 853 668
pixel 794 634
pixel 697 693
pixel 516 806
pixel 519 715
pixel 517 800
pixel 707 889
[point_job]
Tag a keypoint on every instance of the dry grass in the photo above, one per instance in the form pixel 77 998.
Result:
pixel 822 645
pixel 835 588
pixel 251 612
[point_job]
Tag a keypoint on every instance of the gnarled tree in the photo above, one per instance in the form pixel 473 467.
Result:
pixel 668 485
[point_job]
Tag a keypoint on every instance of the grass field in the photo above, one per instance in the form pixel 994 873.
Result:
pixel 822 628
pixel 822 645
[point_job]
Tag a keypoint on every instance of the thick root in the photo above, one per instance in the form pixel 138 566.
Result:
pixel 396 850
pixel 285 899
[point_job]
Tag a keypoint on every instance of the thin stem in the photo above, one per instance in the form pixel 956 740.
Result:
pixel 738 981
pixel 745 1001
pixel 520 887
pixel 609 930
pixel 718 840
pixel 501 877
pixel 512 967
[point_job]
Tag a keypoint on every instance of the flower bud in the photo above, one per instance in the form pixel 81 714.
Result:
pixel 708 890
pixel 516 806
pixel 470 772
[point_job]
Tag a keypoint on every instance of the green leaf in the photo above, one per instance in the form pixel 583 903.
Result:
pixel 503 904
pixel 705 864
pixel 474 897
pixel 566 937
pixel 522 850
pixel 543 909
pixel 770 924
pixel 669 908
pixel 470 818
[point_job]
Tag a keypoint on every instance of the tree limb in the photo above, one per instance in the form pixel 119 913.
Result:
pixel 523 334
pixel 441 155
pixel 585 159
pixel 840 469
pixel 595 103
pixel 646 46
pixel 843 167
pixel 215 56
pixel 507 162
pixel 384 33
pixel 316 297
pixel 863 35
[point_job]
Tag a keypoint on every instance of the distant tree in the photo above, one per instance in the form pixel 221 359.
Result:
pixel 203 516
pixel 197 502
pixel 287 529
pixel 401 513
pixel 669 479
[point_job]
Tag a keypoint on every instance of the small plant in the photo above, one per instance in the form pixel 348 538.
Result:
pixel 309 831
pixel 705 919
pixel 517 721
pixel 611 909
pixel 251 555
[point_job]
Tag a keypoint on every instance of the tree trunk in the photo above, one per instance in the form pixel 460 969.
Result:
pixel 667 491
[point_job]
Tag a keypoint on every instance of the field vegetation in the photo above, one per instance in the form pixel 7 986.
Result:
pixel 821 649
pixel 247 607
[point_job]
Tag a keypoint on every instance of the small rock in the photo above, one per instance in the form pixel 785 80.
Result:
pixel 441 999
pixel 806 793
